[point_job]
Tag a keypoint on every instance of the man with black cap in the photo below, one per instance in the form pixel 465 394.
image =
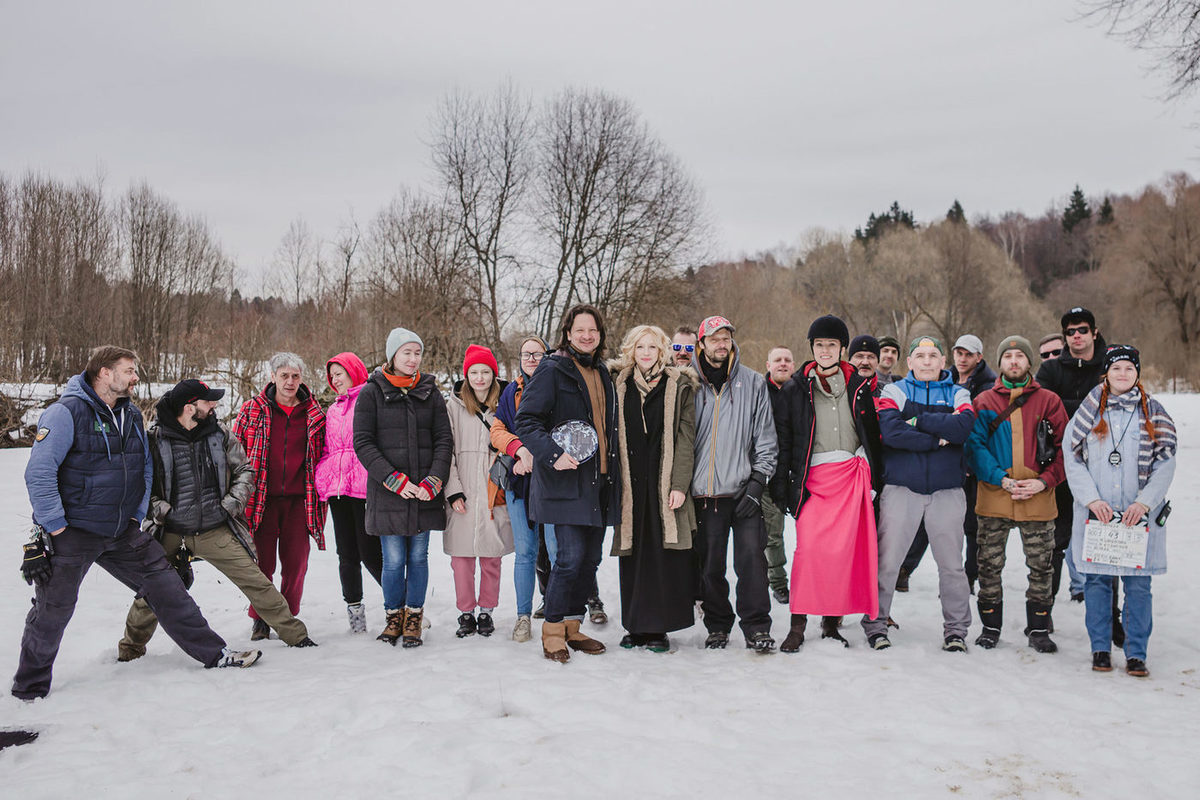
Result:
pixel 863 353
pixel 889 354
pixel 736 448
pixel 202 480
pixel 1077 370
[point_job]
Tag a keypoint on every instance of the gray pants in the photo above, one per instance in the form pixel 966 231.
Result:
pixel 777 576
pixel 134 559
pixel 900 513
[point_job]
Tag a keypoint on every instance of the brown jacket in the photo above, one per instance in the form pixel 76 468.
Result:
pixel 484 530
pixel 679 437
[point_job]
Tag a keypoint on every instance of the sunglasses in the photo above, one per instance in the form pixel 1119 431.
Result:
pixel 685 347
pixel 1051 353
pixel 1082 330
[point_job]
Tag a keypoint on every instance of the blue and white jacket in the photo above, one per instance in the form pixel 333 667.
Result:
pixel 913 417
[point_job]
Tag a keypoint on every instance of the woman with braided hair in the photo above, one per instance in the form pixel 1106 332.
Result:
pixel 1120 465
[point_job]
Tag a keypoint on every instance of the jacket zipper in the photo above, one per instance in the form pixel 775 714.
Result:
pixel 712 450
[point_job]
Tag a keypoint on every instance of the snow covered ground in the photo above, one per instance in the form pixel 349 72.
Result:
pixel 491 718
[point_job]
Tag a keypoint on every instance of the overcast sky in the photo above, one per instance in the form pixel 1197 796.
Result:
pixel 789 115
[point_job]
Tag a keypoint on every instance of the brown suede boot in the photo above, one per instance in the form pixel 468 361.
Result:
pixel 412 626
pixel 576 640
pixel 395 626
pixel 554 642
pixel 795 637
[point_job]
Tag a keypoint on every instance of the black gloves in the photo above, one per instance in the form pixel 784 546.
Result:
pixel 35 566
pixel 749 500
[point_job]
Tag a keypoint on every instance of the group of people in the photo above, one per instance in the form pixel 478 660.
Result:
pixel 675 444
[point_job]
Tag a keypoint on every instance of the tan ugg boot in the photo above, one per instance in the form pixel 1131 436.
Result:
pixel 554 642
pixel 581 641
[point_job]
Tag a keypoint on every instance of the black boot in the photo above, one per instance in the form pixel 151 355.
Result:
pixel 466 625
pixel 795 637
pixel 1037 617
pixel 829 630
pixel 992 617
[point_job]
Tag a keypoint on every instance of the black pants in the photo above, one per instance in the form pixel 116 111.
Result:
pixel 354 546
pixel 970 528
pixel 542 565
pixel 715 519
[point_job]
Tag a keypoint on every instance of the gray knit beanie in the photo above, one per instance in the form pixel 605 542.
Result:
pixel 398 338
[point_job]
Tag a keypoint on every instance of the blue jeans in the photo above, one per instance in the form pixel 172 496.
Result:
pixel 1136 616
pixel 573 577
pixel 1076 576
pixel 405 570
pixel 525 542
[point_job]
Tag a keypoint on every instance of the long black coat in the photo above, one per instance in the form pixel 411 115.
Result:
pixel 555 394
pixel 796 432
pixel 409 432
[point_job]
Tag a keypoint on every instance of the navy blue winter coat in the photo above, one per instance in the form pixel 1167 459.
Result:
pixel 90 465
pixel 555 394
pixel 913 417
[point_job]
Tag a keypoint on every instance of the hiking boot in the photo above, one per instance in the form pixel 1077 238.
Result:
pixel 879 641
pixel 781 595
pixel 395 627
pixel 596 611
pixel 954 644
pixel 305 642
pixel 554 642
pixel 485 625
pixel 716 640
pixel 413 618
pixel 523 630
pixel 1037 617
pixel 241 659
pixel 1101 661
pixel 358 617
pixel 829 630
pixel 1136 667
pixel 902 580
pixel 760 642
pixel 992 617
pixel 466 625
pixel 795 636
pixel 577 640
pixel 259 631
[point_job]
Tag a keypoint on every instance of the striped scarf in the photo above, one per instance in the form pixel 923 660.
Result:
pixel 1150 451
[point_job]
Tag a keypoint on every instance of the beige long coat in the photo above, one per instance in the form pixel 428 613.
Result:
pixel 483 531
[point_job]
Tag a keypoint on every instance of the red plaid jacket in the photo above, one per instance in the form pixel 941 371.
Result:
pixel 253 429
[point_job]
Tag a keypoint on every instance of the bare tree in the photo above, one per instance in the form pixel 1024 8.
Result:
pixel 1168 29
pixel 346 247
pixel 297 263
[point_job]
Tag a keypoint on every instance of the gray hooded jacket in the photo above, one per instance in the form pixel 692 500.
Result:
pixel 735 431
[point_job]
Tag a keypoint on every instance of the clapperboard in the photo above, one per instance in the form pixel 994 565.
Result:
pixel 1115 544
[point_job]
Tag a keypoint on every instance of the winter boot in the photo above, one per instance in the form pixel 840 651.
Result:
pixel 760 642
pixel 1036 615
pixel 717 640
pixel 259 631
pixel 795 637
pixel 413 619
pixel 576 640
pixel 596 613
pixel 829 630
pixel 358 617
pixel 395 626
pixel 554 642
pixel 466 625
pixel 992 617
pixel 485 625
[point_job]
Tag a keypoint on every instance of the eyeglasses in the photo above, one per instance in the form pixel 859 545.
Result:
pixel 1051 353
pixel 686 347
pixel 534 357
pixel 1082 330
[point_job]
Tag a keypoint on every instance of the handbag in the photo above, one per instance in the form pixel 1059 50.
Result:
pixel 1046 451
pixel 500 470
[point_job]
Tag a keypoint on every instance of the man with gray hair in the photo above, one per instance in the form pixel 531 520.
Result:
pixel 283 431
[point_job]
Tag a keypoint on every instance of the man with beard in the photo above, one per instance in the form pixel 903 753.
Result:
pixel 780 366
pixel 202 480
pixel 736 448
pixel 88 479
pixel 889 354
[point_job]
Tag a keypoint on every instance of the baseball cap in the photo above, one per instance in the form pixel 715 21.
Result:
pixel 712 325
pixel 970 343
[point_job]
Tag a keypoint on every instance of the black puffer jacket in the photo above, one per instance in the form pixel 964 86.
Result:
pixel 402 431
pixel 796 430
pixel 555 394
pixel 1072 379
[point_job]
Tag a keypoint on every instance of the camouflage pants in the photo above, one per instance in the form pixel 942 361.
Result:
pixel 1037 539
pixel 777 575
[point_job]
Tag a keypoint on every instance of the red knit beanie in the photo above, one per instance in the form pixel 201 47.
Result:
pixel 478 354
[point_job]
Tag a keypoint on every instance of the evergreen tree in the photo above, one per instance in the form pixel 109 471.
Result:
pixel 1106 212
pixel 878 225
pixel 956 214
pixel 1077 210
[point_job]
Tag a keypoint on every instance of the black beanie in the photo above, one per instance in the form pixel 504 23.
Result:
pixel 1123 352
pixel 863 343
pixel 828 327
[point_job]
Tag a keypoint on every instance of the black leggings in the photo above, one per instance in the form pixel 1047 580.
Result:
pixel 354 546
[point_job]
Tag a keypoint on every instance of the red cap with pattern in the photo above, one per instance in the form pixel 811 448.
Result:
pixel 712 325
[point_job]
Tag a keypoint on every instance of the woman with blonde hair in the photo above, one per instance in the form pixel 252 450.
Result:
pixel 656 432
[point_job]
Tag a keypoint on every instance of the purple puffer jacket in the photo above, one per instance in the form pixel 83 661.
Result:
pixel 339 472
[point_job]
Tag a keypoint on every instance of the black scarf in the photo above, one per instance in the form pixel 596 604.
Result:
pixel 716 375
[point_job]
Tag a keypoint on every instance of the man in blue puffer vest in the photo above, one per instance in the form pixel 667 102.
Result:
pixel 925 419
pixel 88 479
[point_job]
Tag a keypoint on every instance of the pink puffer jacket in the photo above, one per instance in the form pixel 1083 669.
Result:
pixel 339 472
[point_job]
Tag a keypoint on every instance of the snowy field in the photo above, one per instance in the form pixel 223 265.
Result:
pixel 491 718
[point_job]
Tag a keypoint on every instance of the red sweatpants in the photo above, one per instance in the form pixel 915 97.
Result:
pixel 284 526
